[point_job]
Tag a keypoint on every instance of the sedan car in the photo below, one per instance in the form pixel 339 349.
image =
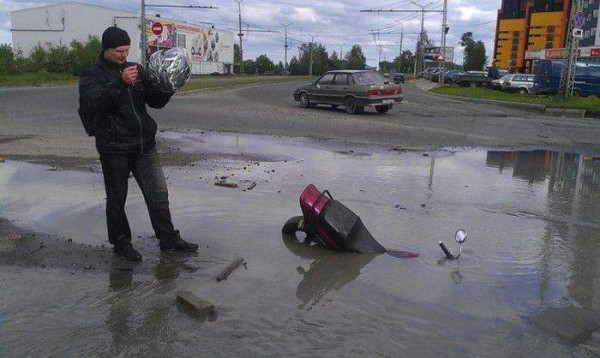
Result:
pixel 353 89
pixel 519 82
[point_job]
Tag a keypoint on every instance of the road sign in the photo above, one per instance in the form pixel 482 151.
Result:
pixel 578 33
pixel 157 28
pixel 579 20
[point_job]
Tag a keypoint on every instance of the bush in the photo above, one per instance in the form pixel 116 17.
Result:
pixel 7 59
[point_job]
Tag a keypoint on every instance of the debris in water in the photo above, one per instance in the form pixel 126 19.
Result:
pixel 229 269
pixel 195 303
pixel 227 185
pixel 252 186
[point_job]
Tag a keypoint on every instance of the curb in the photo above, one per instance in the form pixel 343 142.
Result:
pixel 550 111
pixel 526 106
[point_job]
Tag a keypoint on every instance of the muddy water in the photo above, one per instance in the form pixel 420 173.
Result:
pixel 532 218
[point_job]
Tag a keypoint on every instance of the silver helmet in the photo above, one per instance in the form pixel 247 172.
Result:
pixel 170 67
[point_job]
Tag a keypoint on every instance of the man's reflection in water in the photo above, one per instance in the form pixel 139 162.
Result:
pixel 134 313
pixel 329 270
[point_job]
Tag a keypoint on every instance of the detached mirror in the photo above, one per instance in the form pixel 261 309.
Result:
pixel 460 236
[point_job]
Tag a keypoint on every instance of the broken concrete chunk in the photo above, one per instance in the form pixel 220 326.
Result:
pixel 573 324
pixel 195 303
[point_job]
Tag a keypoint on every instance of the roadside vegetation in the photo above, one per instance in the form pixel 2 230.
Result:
pixel 591 104
pixel 50 65
pixel 202 82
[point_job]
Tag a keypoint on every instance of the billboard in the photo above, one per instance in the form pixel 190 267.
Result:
pixel 431 54
pixel 204 44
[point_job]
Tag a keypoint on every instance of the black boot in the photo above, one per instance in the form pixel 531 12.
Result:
pixel 177 244
pixel 128 252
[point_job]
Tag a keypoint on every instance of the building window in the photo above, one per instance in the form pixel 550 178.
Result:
pixel 549 45
pixel 181 40
pixel 595 13
pixel 516 33
pixel 513 55
pixel 515 41
pixel 515 47
pixel 551 29
pixel 549 38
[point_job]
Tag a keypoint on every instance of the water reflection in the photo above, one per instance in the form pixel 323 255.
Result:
pixel 140 311
pixel 570 244
pixel 328 271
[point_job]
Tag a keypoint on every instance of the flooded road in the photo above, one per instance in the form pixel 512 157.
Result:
pixel 533 219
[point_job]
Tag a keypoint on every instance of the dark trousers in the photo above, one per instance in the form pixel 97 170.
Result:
pixel 148 173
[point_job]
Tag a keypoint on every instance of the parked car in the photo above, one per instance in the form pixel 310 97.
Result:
pixel 587 78
pixel 497 84
pixel 450 76
pixel 519 82
pixel 398 78
pixel 473 79
pixel 427 73
pixel 353 89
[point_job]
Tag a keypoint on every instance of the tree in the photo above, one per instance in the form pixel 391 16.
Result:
pixel 335 62
pixel 386 66
pixel 319 58
pixel 294 66
pixel 249 67
pixel 355 58
pixel 474 53
pixel 84 55
pixel 405 62
pixel 263 63
pixel 279 68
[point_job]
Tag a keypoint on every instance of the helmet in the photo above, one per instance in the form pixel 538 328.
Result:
pixel 170 67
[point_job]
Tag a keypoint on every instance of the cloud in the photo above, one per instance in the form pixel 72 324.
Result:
pixel 305 14
pixel 468 13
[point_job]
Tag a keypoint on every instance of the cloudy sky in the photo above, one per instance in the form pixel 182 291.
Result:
pixel 337 24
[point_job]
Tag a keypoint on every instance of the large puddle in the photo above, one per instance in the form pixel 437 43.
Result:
pixel 533 219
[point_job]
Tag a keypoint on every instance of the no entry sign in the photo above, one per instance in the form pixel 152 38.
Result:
pixel 157 28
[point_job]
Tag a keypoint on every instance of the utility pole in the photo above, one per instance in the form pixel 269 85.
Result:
pixel 418 54
pixel 312 40
pixel 144 38
pixel 442 75
pixel 240 34
pixel 144 41
pixel 401 38
pixel 286 44
pixel 567 78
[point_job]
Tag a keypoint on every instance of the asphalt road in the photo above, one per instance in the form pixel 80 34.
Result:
pixel 43 121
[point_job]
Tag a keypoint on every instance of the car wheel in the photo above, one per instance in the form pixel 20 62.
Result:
pixel 383 109
pixel 334 106
pixel 522 91
pixel 304 100
pixel 351 106
pixel 473 84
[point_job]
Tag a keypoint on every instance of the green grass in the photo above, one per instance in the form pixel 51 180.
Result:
pixel 591 104
pixel 202 82
pixel 37 79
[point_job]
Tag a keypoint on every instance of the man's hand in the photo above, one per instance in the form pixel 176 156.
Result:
pixel 129 75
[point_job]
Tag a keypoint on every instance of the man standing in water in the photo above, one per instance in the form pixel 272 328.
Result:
pixel 113 95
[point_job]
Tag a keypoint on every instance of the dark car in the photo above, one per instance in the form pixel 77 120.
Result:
pixel 398 78
pixel 353 89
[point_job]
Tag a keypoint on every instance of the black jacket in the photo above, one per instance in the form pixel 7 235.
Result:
pixel 119 119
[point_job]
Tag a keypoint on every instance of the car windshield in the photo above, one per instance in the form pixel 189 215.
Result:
pixel 370 77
